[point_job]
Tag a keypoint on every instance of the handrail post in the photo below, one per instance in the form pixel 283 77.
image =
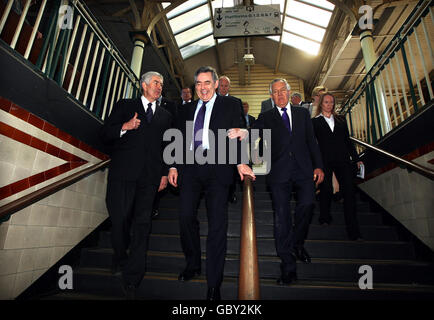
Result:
pixel 248 286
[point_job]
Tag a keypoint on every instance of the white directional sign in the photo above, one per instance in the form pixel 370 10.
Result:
pixel 247 21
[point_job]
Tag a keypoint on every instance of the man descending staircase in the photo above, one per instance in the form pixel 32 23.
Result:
pixel 382 261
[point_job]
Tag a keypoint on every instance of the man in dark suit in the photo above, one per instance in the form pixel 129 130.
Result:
pixel 173 109
pixel 267 105
pixel 295 164
pixel 223 89
pixel 208 114
pixel 250 120
pixel 135 131
pixel 186 95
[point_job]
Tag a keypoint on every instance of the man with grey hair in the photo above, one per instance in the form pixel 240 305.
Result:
pixel 295 165
pixel 134 133
pixel 296 99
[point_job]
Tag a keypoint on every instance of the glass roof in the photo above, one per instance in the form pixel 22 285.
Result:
pixel 304 27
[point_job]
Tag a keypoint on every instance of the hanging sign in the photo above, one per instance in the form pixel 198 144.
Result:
pixel 247 21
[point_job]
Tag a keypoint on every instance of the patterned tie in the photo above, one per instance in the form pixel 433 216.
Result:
pixel 285 119
pixel 149 113
pixel 198 124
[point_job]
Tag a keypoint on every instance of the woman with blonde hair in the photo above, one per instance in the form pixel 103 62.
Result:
pixel 338 153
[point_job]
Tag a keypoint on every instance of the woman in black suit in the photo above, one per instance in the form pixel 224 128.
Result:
pixel 337 152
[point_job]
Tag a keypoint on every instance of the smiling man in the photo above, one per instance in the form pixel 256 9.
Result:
pixel 210 112
pixel 134 132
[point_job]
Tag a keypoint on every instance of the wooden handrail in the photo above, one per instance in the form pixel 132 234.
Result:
pixel 248 286
pixel 37 195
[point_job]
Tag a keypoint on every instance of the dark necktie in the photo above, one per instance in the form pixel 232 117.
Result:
pixel 285 119
pixel 198 125
pixel 149 113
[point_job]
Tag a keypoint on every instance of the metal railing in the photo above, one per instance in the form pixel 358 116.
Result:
pixel 400 80
pixel 248 284
pixel 64 40
pixel 42 193
pixel 410 165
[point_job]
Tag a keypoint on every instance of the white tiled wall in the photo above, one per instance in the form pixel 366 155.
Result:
pixel 409 197
pixel 35 238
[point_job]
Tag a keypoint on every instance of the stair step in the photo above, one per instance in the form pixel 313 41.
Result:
pixel 387 271
pixel 316 248
pixel 266 216
pixel 260 204
pixel 160 286
pixel 316 232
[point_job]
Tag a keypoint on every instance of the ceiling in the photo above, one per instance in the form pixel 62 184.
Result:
pixel 338 65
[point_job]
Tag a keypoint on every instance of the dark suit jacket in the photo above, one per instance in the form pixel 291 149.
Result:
pixel 252 120
pixel 138 151
pixel 225 115
pixel 335 146
pixel 301 144
pixel 170 106
pixel 266 105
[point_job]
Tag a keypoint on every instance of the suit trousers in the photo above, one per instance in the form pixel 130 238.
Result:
pixel 344 175
pixel 290 231
pixel 203 179
pixel 129 204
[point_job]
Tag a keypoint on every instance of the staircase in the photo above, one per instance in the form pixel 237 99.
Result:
pixel 333 273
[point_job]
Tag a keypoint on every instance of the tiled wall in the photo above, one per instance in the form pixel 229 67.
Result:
pixel 34 154
pixel 409 197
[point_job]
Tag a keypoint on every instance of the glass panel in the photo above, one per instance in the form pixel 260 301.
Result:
pixel 308 13
pixel 218 4
pixel 194 33
pixel 304 29
pixel 322 3
pixel 197 47
pixel 190 17
pixel 300 43
pixel 183 7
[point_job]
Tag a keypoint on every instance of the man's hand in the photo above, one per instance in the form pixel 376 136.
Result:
pixel 163 183
pixel 318 176
pixel 238 133
pixel 244 169
pixel 173 177
pixel 359 163
pixel 133 124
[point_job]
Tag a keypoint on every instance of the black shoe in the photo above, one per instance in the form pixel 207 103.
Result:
pixel 129 291
pixel 188 274
pixel 155 213
pixel 302 255
pixel 213 294
pixel 286 279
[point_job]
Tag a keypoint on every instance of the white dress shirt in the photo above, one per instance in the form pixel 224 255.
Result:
pixel 208 111
pixel 330 121
pixel 145 106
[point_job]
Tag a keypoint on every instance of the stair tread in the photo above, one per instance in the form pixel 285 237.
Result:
pixel 270 282
pixel 277 259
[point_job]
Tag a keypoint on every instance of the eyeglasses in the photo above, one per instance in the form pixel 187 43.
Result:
pixel 282 91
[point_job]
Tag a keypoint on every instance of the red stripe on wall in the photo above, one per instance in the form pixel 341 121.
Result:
pixel 35 121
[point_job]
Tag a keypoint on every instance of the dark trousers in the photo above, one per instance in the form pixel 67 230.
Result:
pixel 129 204
pixel 291 231
pixel 203 179
pixel 344 175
